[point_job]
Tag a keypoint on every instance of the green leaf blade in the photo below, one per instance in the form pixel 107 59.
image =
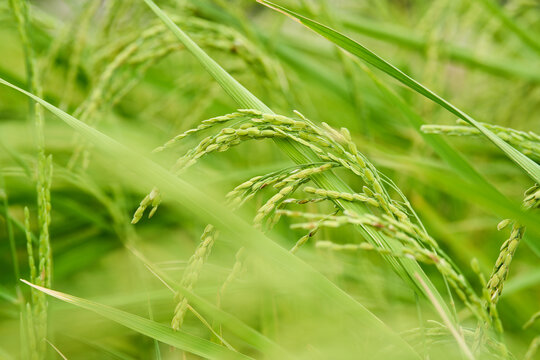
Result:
pixel 208 209
pixel 179 339
pixel 353 47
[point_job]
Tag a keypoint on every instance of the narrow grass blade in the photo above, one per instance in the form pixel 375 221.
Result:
pixel 57 350
pixel 236 90
pixel 208 209
pixel 455 333
pixel 437 143
pixel 179 339
pixel 235 325
pixel 346 43
pixel 404 38
pixel 483 189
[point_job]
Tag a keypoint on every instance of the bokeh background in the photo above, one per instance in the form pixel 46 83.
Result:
pixel 98 60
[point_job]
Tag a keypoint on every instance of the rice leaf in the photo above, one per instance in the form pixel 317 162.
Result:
pixel 403 37
pixel 179 339
pixel 231 322
pixel 208 209
pixel 348 44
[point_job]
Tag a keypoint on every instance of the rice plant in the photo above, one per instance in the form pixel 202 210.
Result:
pixel 231 184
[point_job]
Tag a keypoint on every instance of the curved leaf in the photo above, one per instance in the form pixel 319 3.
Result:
pixel 209 209
pixel 348 44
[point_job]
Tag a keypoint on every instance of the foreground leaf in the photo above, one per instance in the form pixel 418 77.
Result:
pixel 231 322
pixel 375 334
pixel 179 339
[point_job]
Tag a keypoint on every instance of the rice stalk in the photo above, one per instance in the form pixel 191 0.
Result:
pixel 306 196
pixel 37 321
pixel 456 333
pixel 436 335
pixel 532 320
pixel 9 228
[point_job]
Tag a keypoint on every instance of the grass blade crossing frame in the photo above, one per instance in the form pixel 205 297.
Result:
pixel 179 339
pixel 348 44
pixel 208 209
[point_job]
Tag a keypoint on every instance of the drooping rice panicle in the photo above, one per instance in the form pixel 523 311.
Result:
pixel 331 146
pixel 327 184
pixel 502 265
pixel 192 272
pixel 507 251
pixel 526 141
pixel 303 131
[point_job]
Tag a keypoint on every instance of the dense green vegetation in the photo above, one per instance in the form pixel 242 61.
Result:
pixel 191 179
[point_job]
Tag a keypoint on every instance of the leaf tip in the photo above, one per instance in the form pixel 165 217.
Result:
pixel 280 9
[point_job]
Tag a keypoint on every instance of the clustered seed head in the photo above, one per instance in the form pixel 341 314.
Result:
pixel 342 195
pixel 279 179
pixel 532 198
pixel 502 265
pixel 333 148
pixel 271 204
pixel 408 234
pixel 192 273
pixel 526 142
pixel 499 274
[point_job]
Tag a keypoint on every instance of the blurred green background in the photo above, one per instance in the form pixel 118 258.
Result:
pixel 97 61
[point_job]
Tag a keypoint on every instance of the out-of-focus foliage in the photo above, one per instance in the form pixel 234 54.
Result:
pixel 396 251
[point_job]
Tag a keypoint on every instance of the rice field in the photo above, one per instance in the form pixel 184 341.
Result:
pixel 298 179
